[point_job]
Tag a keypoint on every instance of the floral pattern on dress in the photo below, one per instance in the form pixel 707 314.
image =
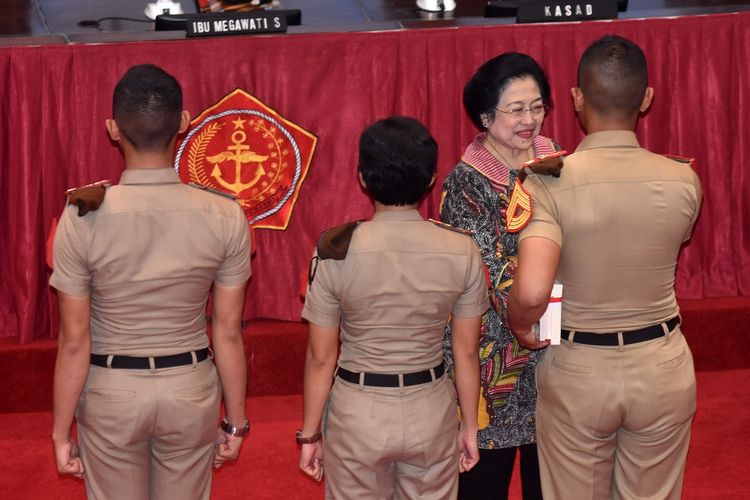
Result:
pixel 471 200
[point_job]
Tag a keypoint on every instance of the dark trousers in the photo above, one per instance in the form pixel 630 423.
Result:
pixel 490 478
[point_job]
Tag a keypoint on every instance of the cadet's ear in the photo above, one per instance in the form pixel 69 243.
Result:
pixel 184 121
pixel 362 181
pixel 432 181
pixel 578 98
pixel 112 130
pixel 648 96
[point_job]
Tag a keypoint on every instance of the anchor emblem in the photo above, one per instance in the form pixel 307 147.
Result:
pixel 239 153
pixel 242 147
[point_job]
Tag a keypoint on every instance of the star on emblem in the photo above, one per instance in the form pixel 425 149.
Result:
pixel 239 123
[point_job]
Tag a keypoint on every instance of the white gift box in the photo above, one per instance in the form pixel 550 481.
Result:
pixel 549 323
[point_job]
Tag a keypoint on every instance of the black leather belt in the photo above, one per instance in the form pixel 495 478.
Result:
pixel 138 363
pixel 628 337
pixel 390 380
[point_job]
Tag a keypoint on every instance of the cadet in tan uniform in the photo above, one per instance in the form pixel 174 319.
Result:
pixel 133 266
pixel 388 287
pixel 616 398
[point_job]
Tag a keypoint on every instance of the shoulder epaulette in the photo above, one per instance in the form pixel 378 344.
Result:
pixel 88 198
pixel 213 190
pixel 334 242
pixel 681 159
pixel 549 164
pixel 451 228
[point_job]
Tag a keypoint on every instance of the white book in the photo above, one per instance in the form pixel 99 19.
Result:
pixel 549 323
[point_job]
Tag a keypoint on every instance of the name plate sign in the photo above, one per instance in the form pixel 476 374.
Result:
pixel 235 23
pixel 535 11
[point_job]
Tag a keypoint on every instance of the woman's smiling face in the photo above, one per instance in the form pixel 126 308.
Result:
pixel 518 132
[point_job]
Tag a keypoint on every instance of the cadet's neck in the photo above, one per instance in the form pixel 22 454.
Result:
pixel 380 207
pixel 135 158
pixel 596 122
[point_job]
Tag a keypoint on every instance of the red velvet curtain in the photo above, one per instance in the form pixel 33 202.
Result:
pixel 55 100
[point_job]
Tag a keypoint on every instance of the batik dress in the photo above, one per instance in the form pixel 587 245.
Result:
pixel 476 195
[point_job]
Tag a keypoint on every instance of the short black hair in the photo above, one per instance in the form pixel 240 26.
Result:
pixel 482 92
pixel 146 105
pixel 613 76
pixel 397 160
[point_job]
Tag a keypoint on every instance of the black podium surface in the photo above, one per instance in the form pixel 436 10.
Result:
pixel 56 21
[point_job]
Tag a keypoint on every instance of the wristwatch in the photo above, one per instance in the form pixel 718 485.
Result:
pixel 307 440
pixel 235 431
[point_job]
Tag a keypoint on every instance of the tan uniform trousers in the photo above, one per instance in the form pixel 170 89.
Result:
pixel 614 422
pixel 149 434
pixel 391 443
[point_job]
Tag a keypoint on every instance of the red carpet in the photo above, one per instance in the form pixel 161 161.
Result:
pixel 267 469
pixel 716 468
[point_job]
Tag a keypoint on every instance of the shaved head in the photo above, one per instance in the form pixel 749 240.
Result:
pixel 146 105
pixel 613 76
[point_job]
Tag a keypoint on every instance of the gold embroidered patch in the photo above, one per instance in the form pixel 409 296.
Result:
pixel 520 209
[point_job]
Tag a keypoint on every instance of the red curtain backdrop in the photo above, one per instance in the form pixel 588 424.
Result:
pixel 55 100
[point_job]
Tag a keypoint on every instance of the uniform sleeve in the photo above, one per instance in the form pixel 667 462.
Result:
pixel 71 274
pixel 235 269
pixel 698 202
pixel 322 304
pixel 545 219
pixel 473 302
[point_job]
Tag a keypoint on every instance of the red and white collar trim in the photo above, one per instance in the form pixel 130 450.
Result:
pixel 495 170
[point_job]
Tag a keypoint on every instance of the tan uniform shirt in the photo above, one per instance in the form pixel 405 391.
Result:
pixel 620 214
pixel 394 292
pixel 147 258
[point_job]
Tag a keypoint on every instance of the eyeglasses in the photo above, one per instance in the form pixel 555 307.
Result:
pixel 517 113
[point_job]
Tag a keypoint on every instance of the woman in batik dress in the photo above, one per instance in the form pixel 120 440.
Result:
pixel 507 99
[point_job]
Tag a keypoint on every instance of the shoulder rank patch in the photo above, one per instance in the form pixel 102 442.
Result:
pixel 334 242
pixel 520 209
pixel 88 198
pixel 231 196
pixel 681 159
pixel 451 228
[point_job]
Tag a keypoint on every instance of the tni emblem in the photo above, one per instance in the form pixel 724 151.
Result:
pixel 245 148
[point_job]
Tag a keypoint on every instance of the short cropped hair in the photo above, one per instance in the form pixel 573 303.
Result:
pixel 146 105
pixel 483 91
pixel 613 76
pixel 397 160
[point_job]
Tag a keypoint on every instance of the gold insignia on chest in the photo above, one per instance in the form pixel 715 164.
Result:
pixel 520 209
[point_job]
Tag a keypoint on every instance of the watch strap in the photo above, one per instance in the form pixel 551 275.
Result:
pixel 230 429
pixel 307 440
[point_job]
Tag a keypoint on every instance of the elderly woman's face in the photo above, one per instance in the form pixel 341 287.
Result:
pixel 518 132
